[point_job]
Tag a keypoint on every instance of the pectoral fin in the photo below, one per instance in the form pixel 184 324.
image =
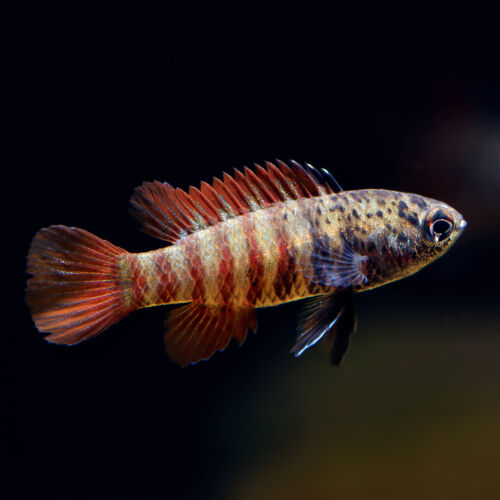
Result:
pixel 342 267
pixel 331 317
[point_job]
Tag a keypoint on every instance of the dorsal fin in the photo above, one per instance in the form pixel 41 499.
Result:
pixel 170 214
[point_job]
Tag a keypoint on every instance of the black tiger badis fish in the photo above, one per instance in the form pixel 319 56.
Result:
pixel 260 238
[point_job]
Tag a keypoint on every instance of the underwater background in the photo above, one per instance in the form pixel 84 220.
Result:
pixel 396 98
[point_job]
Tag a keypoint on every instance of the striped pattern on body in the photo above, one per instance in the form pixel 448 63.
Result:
pixel 256 239
pixel 251 261
pixel 255 260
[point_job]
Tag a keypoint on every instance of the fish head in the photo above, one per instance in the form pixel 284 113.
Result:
pixel 417 231
pixel 440 227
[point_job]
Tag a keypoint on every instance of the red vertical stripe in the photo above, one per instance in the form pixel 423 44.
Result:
pixel 138 281
pixel 226 269
pixel 167 283
pixel 192 249
pixel 255 263
pixel 284 278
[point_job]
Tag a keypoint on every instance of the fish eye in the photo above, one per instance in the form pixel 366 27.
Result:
pixel 438 226
pixel 441 227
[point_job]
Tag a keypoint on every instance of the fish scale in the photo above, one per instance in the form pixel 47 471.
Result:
pixel 258 239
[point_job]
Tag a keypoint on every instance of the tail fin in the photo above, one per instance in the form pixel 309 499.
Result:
pixel 76 291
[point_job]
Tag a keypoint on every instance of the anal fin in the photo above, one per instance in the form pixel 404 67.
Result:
pixel 194 332
pixel 330 317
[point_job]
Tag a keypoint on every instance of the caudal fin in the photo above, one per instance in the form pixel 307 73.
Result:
pixel 75 292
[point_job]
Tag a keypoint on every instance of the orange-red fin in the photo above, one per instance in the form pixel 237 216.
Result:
pixel 194 332
pixel 169 214
pixel 76 291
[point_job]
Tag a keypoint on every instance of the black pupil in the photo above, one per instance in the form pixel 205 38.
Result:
pixel 441 226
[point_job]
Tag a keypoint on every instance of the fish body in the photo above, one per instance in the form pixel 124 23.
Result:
pixel 259 239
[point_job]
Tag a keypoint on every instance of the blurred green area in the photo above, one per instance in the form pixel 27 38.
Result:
pixel 413 413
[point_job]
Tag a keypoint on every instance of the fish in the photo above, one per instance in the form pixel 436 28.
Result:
pixel 259 238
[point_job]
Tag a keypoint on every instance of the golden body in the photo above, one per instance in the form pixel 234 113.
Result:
pixel 279 240
pixel 255 240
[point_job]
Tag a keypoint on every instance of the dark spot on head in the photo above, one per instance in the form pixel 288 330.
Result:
pixel 332 209
pixel 393 203
pixel 409 217
pixel 357 227
pixel 379 213
pixel 349 218
pixel 415 214
pixel 383 244
pixel 402 205
pixel 355 197
pixel 355 214
pixel 380 201
pixel 316 222
pixel 341 208
pixel 285 216
pixel 389 211
pixel 402 237
pixel 327 220
pixel 319 211
pixel 369 215
pixel 418 200
pixel 389 227
pixel 363 231
pixel 412 220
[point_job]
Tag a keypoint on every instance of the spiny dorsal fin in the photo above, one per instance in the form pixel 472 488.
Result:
pixel 170 214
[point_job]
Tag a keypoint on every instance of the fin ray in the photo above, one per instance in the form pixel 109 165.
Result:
pixel 318 315
pixel 341 268
pixel 170 214
pixel 194 332
pixel 75 292
pixel 331 318
pixel 338 339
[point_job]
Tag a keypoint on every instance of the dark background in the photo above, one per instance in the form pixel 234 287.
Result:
pixel 404 99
